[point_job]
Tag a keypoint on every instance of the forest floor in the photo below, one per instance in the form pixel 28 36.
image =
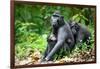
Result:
pixel 80 56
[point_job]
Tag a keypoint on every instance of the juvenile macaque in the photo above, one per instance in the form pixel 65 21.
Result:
pixel 81 33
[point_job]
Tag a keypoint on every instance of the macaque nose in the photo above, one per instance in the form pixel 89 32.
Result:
pixel 54 25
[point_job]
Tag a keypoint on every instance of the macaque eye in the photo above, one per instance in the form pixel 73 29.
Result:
pixel 55 16
pixel 76 27
pixel 72 26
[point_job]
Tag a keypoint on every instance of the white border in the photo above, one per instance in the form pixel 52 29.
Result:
pixel 5 34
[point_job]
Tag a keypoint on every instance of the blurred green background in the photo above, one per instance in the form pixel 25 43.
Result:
pixel 32 25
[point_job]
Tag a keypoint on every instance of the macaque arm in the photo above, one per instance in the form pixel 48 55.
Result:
pixel 61 39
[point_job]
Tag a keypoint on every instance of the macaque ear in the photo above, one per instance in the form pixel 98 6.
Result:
pixel 77 26
pixel 62 17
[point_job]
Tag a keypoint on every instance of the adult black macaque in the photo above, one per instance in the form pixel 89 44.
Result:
pixel 63 34
pixel 81 34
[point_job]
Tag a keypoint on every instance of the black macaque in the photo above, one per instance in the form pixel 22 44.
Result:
pixel 63 34
pixel 81 34
pixel 51 40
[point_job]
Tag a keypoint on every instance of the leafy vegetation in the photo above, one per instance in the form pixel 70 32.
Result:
pixel 32 25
